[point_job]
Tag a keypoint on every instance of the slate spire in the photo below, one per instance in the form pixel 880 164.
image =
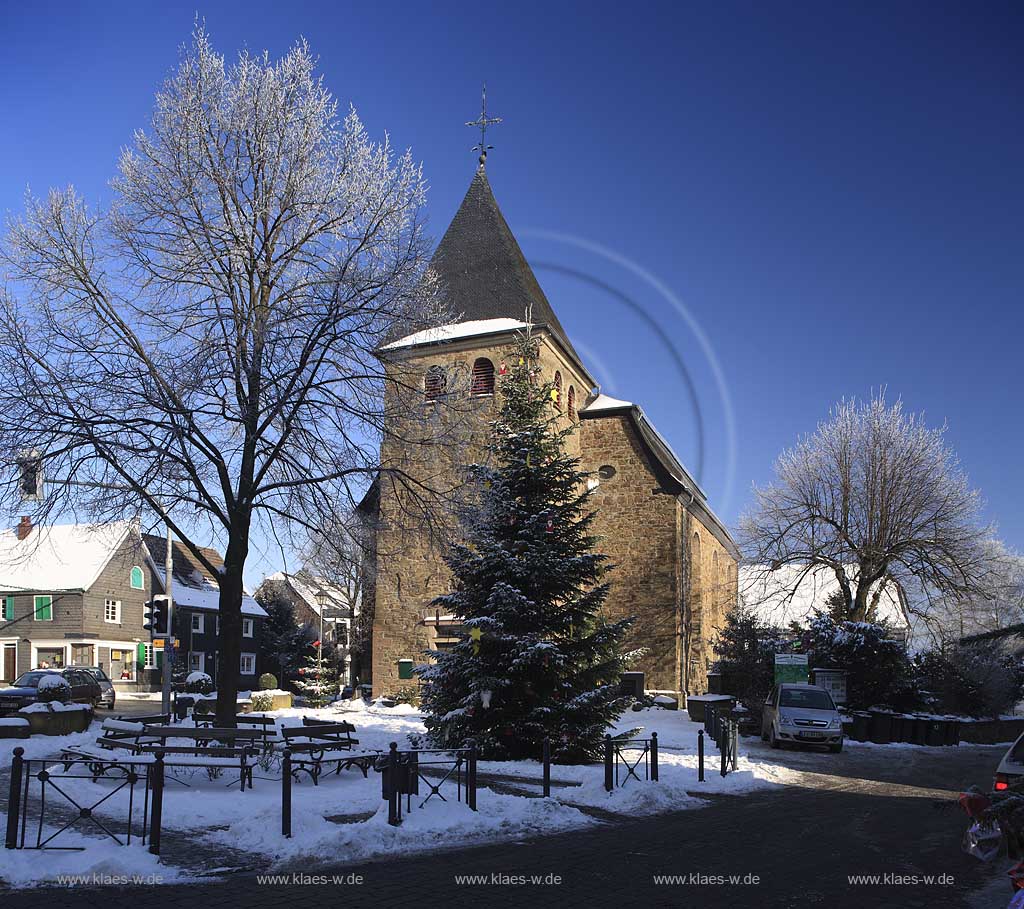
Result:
pixel 482 269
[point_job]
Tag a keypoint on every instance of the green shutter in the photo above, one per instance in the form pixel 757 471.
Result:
pixel 8 609
pixel 141 656
pixel 43 609
pixel 405 669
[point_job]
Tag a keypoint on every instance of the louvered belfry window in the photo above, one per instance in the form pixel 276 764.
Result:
pixel 435 385
pixel 557 396
pixel 571 403
pixel 483 377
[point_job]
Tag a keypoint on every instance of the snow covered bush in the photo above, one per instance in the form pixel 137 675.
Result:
pixel 978 680
pixel 54 687
pixel 261 700
pixel 879 668
pixel 198 683
pixel 746 649
pixel 268 681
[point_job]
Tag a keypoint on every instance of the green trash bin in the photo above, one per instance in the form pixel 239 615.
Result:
pixel 936 734
pixel 880 727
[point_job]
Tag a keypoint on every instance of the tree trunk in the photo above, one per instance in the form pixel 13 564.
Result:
pixel 860 603
pixel 229 642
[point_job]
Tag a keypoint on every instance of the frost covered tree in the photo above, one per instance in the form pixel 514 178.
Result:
pixel 538 660
pixel 202 351
pixel 878 498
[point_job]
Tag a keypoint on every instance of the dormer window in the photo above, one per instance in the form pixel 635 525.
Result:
pixel 435 384
pixel 483 377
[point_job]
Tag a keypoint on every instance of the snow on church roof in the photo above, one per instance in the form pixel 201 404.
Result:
pixel 59 556
pixel 767 594
pixel 605 402
pixel 455 331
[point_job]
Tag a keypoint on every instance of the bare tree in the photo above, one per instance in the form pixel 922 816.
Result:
pixel 204 351
pixel 999 605
pixel 878 498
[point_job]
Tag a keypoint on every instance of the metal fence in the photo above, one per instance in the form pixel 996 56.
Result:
pixel 725 732
pixel 615 760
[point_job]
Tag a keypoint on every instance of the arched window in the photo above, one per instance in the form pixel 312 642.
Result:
pixel 435 385
pixel 483 377
pixel 571 405
pixel 138 581
pixel 556 395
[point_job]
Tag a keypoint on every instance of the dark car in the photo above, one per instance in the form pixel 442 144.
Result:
pixel 107 694
pixel 25 690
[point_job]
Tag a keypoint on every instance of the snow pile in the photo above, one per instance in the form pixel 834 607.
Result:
pixel 52 682
pixel 52 707
pixel 198 678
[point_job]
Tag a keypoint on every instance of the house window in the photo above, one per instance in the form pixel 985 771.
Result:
pixel 112 611
pixel 246 628
pixel 556 392
pixel 149 660
pixel 196 662
pixel 7 605
pixel 138 581
pixel 198 625
pixel 571 406
pixel 247 664
pixel 43 609
pixel 435 385
pixel 483 377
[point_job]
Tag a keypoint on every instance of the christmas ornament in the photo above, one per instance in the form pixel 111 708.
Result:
pixel 550 528
pixel 485 699
pixel 503 371
pixel 475 634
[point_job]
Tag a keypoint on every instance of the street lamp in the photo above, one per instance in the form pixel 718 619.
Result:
pixel 322 599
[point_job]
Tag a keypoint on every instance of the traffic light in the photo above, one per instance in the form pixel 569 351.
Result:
pixel 155 616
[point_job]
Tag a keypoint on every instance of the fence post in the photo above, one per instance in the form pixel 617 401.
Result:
pixel 547 768
pixel 609 783
pixel 241 767
pixel 471 778
pixel 394 799
pixel 654 756
pixel 14 798
pixel 735 744
pixel 700 755
pixel 286 793
pixel 724 754
pixel 156 814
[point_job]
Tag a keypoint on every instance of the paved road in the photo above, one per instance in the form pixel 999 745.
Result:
pixel 800 843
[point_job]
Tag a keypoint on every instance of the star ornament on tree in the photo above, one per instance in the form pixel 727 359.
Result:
pixel 475 634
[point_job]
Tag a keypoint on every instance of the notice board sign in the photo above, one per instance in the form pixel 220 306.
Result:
pixel 790 667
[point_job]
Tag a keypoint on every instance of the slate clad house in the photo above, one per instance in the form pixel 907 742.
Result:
pixel 676 562
pixel 74 594
pixel 196 607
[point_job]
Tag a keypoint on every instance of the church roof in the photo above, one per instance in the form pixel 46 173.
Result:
pixel 483 270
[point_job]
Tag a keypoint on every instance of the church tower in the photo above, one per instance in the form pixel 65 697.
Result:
pixel 675 563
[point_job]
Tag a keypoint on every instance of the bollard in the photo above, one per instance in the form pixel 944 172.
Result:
pixel 394 797
pixel 700 755
pixel 609 783
pixel 654 756
pixel 156 814
pixel 471 778
pixel 14 798
pixel 241 768
pixel 547 768
pixel 286 793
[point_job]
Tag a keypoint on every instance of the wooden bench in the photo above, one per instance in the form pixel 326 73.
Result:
pixel 317 743
pixel 264 726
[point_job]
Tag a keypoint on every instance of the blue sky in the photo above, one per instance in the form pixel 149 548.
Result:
pixel 833 192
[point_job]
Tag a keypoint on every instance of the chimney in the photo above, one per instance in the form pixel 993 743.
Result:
pixel 24 528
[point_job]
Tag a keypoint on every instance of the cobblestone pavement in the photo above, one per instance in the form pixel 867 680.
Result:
pixel 801 843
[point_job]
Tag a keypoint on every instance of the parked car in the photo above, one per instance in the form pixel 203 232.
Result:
pixel 801 714
pixel 25 690
pixel 1010 771
pixel 107 694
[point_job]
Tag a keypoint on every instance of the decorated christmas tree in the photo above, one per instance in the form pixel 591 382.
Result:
pixel 538 660
pixel 318 679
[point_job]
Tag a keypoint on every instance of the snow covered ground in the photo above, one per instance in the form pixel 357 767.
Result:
pixel 345 819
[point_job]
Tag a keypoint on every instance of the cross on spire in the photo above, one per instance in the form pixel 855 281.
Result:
pixel 482 123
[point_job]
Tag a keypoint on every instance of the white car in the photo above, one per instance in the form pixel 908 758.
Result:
pixel 1010 771
pixel 801 714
